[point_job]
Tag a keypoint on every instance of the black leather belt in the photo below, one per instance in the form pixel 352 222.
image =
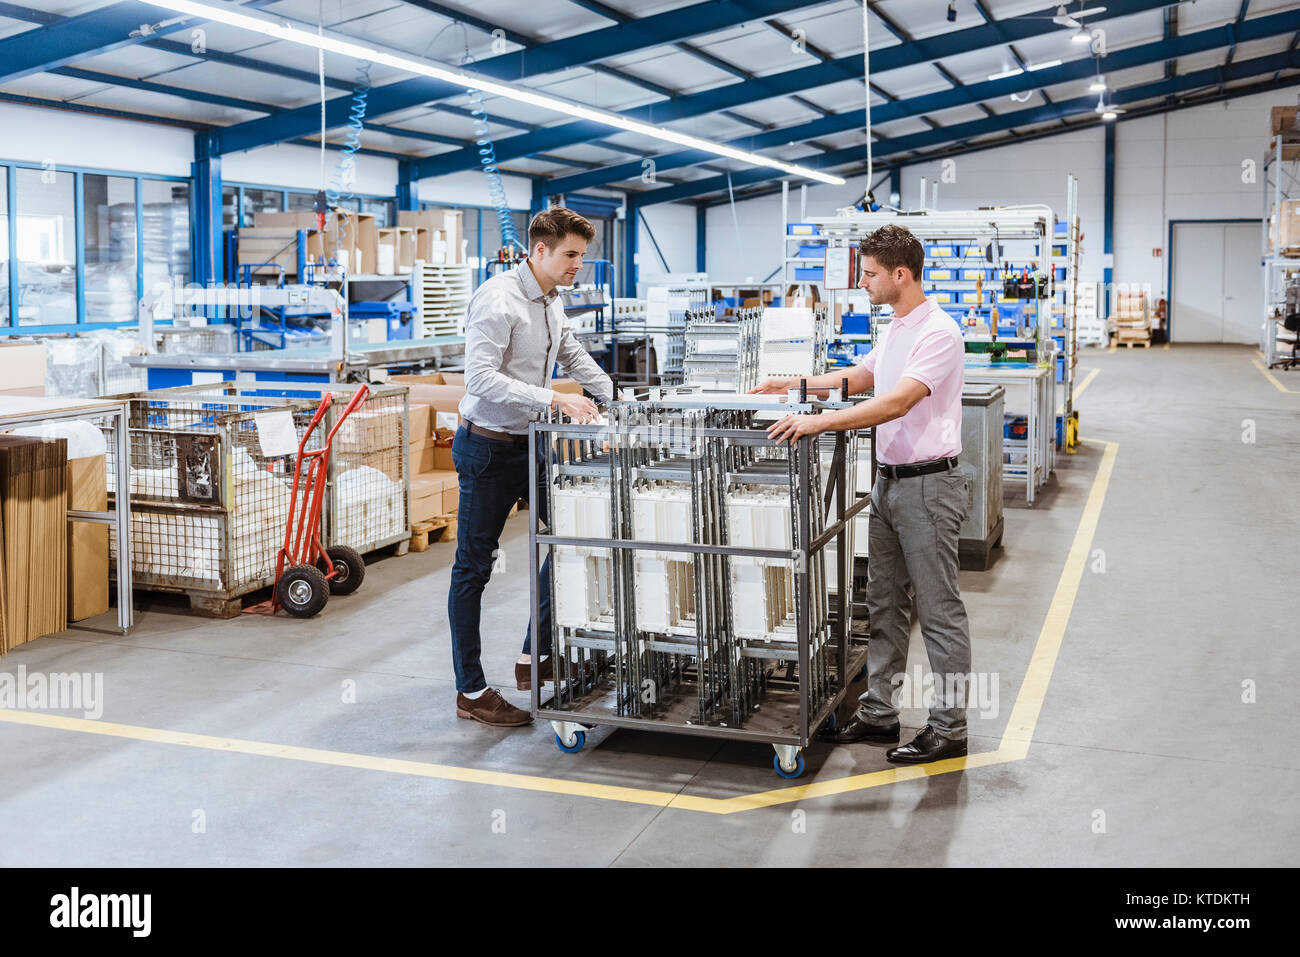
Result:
pixel 494 434
pixel 917 468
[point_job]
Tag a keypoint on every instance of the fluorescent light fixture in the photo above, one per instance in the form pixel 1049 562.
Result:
pixel 1014 71
pixel 1098 85
pixel 281 29
pixel 1109 115
pixel 1045 65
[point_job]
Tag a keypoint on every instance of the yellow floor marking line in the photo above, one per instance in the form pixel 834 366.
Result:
pixel 1013 747
pixel 1268 374
pixel 1114 346
pixel 1078 389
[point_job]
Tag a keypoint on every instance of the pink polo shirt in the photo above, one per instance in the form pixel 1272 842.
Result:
pixel 925 345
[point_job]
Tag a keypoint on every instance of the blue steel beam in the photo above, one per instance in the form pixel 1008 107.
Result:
pixel 75 38
pixel 100 111
pixel 556 55
pixel 1187 102
pixel 1209 77
pixel 1202 40
pixel 780 84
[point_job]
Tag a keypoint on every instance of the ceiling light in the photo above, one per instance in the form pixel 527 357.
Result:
pixel 1014 71
pixel 1109 115
pixel 1081 35
pixel 280 29
pixel 1098 85
pixel 1046 64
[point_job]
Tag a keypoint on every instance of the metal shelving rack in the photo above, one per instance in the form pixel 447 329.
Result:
pixel 1281 182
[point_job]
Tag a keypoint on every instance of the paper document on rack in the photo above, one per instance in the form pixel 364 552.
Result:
pixel 276 433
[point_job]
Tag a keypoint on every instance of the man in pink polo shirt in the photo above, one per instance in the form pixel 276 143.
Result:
pixel 918 500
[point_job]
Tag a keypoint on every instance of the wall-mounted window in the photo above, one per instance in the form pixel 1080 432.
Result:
pixel 109 230
pixel 229 207
pixel 261 201
pixel 46 250
pixel 4 246
pixel 165 231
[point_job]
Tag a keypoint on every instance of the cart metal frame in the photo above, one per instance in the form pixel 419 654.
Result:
pixel 787 715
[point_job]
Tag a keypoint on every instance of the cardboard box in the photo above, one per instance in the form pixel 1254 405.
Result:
pixel 22 366
pixel 442 392
pixel 450 490
pixel 426 498
pixel 449 221
pixel 1288 230
pixel 278 245
pixel 423 244
pixel 387 252
pixel 87 543
pixel 421 456
pixel 350 238
pixel 367 430
pixel 1281 119
pixel 421 422
pixel 565 385
pixel 365 242
pixel 405 249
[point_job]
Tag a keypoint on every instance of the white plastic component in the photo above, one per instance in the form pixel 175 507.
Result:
pixel 583 586
pixel 762 589
pixel 665 581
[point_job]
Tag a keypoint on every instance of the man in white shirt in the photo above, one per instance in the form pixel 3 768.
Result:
pixel 918 501
pixel 514 335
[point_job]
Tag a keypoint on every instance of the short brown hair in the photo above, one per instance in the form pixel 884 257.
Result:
pixel 894 246
pixel 552 225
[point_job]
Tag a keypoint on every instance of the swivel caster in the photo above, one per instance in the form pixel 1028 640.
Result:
pixel 574 743
pixel 793 772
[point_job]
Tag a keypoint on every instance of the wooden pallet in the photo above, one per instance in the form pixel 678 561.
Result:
pixel 441 528
pixel 1144 342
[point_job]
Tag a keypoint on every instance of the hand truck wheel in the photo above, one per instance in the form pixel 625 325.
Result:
pixel 349 569
pixel 302 591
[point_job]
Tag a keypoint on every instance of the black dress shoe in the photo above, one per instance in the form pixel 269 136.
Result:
pixel 859 730
pixel 927 746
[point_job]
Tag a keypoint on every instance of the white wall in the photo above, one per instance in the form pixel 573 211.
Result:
pixel 1185 165
pixel 673 225
pixel 470 188
pixel 298 167
pixel 67 138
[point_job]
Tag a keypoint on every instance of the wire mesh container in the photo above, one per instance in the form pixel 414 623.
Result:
pixel 209 509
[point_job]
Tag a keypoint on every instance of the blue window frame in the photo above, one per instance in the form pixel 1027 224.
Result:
pixel 73 247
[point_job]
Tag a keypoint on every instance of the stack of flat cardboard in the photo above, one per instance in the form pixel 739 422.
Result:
pixel 22 368
pixel 87 483
pixel 33 538
pixel 445 241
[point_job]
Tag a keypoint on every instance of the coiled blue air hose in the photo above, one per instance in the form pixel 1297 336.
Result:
pixel 341 183
pixel 487 157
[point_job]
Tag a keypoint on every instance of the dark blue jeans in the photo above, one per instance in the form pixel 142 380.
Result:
pixel 493 476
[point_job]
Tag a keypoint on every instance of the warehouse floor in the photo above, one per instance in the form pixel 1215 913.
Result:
pixel 1143 751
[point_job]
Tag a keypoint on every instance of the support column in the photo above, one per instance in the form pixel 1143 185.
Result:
pixel 205 173
pixel 701 231
pixel 408 186
pixel 540 199
pixel 1108 231
pixel 631 229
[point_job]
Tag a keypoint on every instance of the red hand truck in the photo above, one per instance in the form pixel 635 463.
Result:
pixel 313 572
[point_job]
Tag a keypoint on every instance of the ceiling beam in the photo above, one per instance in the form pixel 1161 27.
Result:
pixel 1083 105
pixel 553 56
pixel 1200 41
pixel 781 84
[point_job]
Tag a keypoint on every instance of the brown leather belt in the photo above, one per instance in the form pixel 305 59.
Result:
pixel 494 434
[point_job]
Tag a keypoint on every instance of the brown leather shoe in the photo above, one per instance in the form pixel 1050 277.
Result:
pixel 491 708
pixel 545 672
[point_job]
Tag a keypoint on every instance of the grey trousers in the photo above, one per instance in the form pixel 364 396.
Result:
pixel 914 526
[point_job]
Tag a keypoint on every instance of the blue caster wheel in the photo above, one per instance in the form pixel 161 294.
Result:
pixel 860 675
pixel 830 723
pixel 798 766
pixel 580 738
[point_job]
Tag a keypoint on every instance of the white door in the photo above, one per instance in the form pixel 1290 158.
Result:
pixel 1243 295
pixel 1216 295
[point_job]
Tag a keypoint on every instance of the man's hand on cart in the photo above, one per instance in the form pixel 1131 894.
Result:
pixel 577 407
pixel 794 427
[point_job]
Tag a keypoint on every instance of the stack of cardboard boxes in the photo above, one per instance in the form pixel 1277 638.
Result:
pixel 435 415
pixel 446 234
pixel 350 239
pixel 434 418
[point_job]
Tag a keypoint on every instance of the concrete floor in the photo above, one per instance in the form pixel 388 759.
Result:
pixel 1143 722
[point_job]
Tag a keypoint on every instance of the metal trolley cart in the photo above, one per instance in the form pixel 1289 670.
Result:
pixel 691 560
